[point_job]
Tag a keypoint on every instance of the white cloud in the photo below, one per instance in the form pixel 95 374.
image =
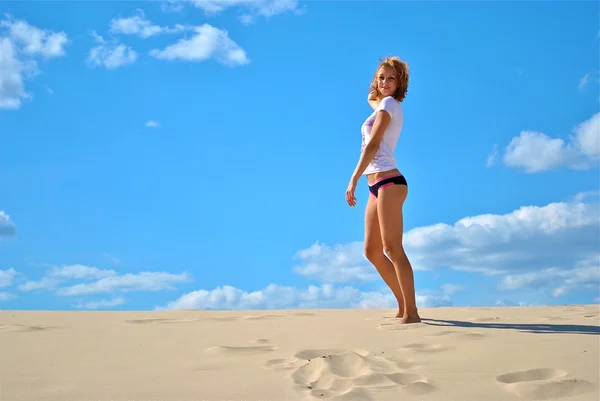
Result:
pixel 7 227
pixel 335 264
pixel 110 55
pixel 12 87
pixel 116 54
pixel 535 151
pixel 207 43
pixel 430 299
pixel 7 277
pixel 265 8
pixel 272 297
pixel 584 81
pixel 581 196
pixel 553 248
pixel 112 258
pixel 508 302
pixel 138 25
pixel 36 41
pixel 452 289
pixel 285 297
pixel 587 137
pixel 144 281
pixel 558 235
pixel 19 44
pixel 247 19
pixel 152 124
pixel 80 272
pixel 45 283
pixel 556 281
pixel 5 296
pixel 58 275
pixel 491 159
pixel 80 280
pixel 101 304
pixel 171 6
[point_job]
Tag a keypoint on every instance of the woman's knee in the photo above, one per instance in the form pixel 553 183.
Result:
pixel 373 253
pixel 394 250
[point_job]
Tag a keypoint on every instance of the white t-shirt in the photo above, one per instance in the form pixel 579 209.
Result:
pixel 384 159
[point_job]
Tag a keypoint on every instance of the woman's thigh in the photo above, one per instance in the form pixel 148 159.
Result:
pixel 390 202
pixel 373 242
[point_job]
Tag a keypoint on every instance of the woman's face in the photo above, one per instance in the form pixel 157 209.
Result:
pixel 387 83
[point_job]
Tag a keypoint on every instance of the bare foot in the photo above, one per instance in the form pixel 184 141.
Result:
pixel 410 319
pixel 400 312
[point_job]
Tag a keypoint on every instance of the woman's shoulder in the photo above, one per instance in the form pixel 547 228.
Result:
pixel 390 99
pixel 389 103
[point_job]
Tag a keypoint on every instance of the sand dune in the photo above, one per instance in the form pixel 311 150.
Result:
pixel 517 353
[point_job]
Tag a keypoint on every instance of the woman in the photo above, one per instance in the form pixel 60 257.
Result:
pixel 388 187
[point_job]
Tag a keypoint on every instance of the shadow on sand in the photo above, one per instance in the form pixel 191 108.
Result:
pixel 523 327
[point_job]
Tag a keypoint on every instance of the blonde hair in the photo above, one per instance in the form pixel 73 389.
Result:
pixel 402 74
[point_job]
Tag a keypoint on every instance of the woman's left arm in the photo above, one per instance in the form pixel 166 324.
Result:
pixel 382 120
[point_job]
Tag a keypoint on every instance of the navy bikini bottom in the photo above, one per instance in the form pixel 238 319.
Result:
pixel 386 181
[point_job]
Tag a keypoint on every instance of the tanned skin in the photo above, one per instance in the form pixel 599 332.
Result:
pixel 384 225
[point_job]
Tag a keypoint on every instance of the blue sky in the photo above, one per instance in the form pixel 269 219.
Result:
pixel 161 155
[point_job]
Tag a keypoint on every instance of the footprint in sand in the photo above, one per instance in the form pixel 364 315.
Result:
pixel 226 354
pixel 224 319
pixel 300 358
pixel 26 328
pixel 261 317
pixel 159 320
pixel 349 374
pixel 247 317
pixel 386 316
pixel 422 347
pixel 284 364
pixel 262 341
pixel 241 350
pixel 148 320
pixel 543 384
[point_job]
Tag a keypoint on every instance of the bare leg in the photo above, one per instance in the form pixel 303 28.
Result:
pixel 389 207
pixel 374 252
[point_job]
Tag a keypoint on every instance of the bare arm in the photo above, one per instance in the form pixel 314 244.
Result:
pixel 382 120
pixel 372 99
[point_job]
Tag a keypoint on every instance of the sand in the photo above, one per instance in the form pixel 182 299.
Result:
pixel 462 354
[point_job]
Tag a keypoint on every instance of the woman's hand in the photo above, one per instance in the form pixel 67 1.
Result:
pixel 350 198
pixel 372 99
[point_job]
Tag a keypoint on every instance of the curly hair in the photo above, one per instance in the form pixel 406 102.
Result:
pixel 402 73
